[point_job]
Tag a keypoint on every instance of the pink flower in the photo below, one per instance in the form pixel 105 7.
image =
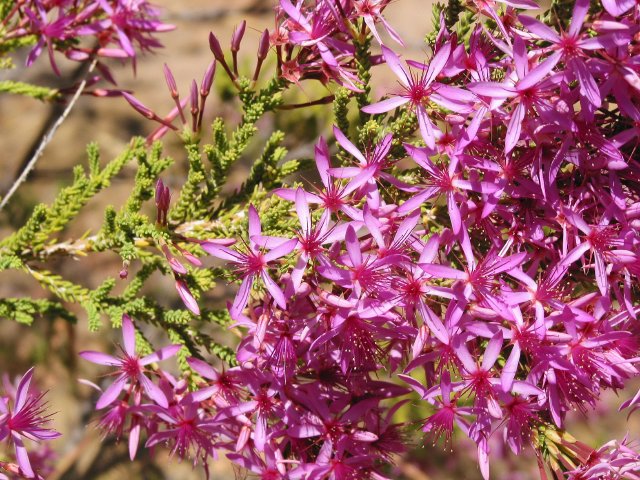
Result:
pixel 26 418
pixel 131 372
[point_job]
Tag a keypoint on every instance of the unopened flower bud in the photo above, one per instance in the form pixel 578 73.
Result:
pixel 236 38
pixel 171 81
pixel 124 273
pixel 138 106
pixel 214 45
pixel 207 79
pixel 263 46
pixel 194 104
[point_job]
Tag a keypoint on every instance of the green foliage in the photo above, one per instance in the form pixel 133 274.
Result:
pixel 128 232
pixel 28 90
pixel 341 109
pixel 363 67
pixel 25 310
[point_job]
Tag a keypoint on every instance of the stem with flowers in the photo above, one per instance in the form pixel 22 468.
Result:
pixel 467 253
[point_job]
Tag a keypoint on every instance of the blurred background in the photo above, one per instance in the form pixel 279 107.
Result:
pixel 52 344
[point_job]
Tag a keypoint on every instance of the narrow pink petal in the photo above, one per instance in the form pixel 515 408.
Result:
pixel 445 387
pixel 427 128
pixel 587 84
pixel 187 297
pixel 134 440
pixel 536 75
pixel 302 209
pixel 322 161
pixel 281 250
pixel 421 156
pixel 438 62
pixel 274 290
pixel 162 354
pixel 362 436
pixel 442 271
pixel 100 358
pixel 254 222
pixel 22 456
pixel 373 225
pixel 417 200
pixel 510 368
pixel 405 229
pixel 464 356
pixel 414 384
pixel 347 145
pixel 153 391
pixel 601 274
pixel 539 29
pixel 385 105
pixel 242 297
pixel 454 213
pixel 304 431
pixel 353 247
pixel 128 335
pixel 297 274
pixel 575 253
pixel 526 389
pixel 203 368
pixel 483 458
pixel 392 33
pixel 580 9
pixel 514 128
pixel 22 392
pixel 520 57
pixel 111 393
pixel 394 63
pixel 492 89
pixel 174 263
pixel 615 8
pixel 433 322
pixel 492 351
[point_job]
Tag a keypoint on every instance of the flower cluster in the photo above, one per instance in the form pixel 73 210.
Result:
pixel 489 263
pixel 23 417
pixel 84 30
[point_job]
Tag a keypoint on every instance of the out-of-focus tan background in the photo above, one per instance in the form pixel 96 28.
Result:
pixel 53 345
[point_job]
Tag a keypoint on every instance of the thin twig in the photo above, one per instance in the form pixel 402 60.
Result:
pixel 81 247
pixel 46 139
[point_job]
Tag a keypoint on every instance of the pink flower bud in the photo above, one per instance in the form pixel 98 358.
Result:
pixel 236 38
pixel 171 81
pixel 207 80
pixel 138 106
pixel 124 273
pixel 263 46
pixel 214 45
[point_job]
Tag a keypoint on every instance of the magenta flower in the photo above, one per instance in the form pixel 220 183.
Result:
pixel 26 418
pixel 420 88
pixel 48 32
pixel 188 433
pixel 253 262
pixel 442 181
pixel 527 92
pixel 571 46
pixel 131 372
pixel 441 423
pixel 371 12
pixel 334 196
